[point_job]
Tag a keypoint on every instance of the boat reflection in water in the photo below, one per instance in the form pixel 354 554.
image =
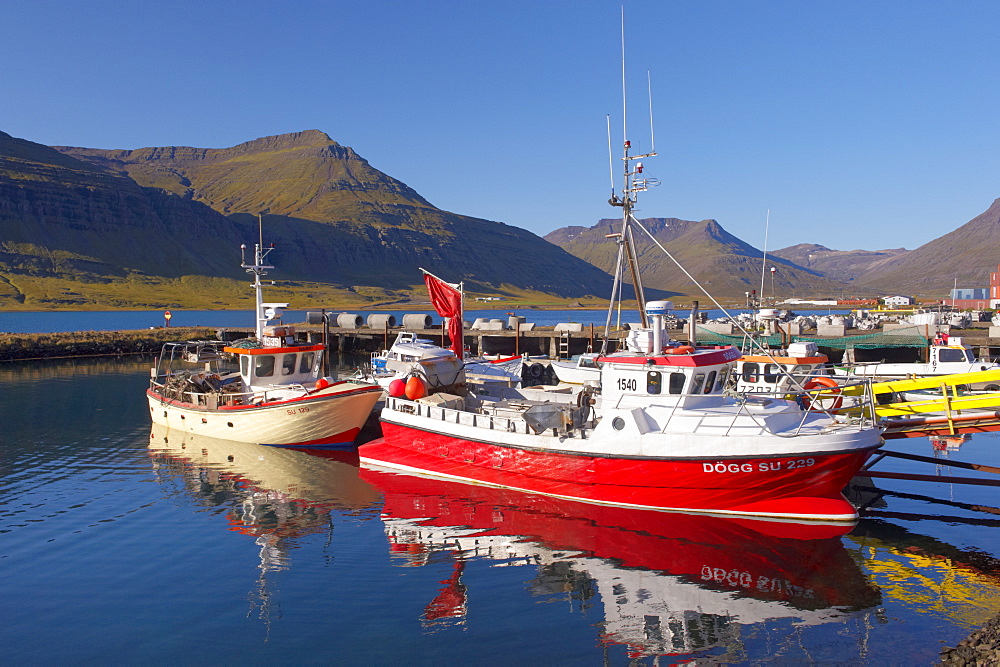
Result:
pixel 670 583
pixel 273 494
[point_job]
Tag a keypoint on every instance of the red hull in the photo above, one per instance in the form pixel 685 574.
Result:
pixel 806 486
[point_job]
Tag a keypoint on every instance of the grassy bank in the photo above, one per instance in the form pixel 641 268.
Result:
pixel 94 343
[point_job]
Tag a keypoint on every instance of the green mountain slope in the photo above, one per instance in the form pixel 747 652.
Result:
pixel 91 227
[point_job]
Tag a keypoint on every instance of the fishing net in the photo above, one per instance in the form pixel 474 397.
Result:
pixel 902 337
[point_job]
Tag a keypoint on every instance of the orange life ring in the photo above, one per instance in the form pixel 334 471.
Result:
pixel 683 349
pixel 829 385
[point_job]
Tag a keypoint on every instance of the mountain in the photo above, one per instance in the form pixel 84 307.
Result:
pixel 841 265
pixel 966 255
pixel 724 264
pixel 84 226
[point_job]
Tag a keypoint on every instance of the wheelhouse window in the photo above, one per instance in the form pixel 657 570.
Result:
pixel 677 383
pixel 307 361
pixel 710 382
pixel 697 383
pixel 720 382
pixel 771 373
pixel 950 354
pixel 264 366
pixel 750 371
pixel 244 365
pixel 288 364
pixel 654 382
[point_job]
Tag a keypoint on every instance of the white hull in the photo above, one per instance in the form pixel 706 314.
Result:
pixel 329 418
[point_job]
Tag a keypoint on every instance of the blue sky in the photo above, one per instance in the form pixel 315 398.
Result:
pixel 859 124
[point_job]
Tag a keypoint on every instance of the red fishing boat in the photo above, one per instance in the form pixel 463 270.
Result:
pixel 658 428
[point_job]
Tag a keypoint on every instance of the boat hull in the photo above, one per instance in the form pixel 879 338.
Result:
pixel 805 486
pixel 318 421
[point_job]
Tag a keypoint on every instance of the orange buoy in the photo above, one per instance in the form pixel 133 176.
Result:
pixel 415 388
pixel 397 388
pixel 682 349
pixel 323 383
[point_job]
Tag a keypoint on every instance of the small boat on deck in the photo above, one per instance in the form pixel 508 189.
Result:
pixel 584 368
pixel 268 390
pixel 410 356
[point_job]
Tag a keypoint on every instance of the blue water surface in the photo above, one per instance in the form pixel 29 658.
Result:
pixel 122 544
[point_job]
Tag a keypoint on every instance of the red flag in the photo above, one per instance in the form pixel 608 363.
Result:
pixel 447 302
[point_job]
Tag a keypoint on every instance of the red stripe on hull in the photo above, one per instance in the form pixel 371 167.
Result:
pixel 345 439
pixel 803 486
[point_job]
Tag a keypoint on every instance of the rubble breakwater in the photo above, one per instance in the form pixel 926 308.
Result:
pixel 94 343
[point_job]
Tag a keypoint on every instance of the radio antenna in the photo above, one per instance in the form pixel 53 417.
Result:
pixel 624 123
pixel 611 159
pixel 649 88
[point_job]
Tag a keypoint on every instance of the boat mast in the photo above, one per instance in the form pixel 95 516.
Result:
pixel 265 312
pixel 633 182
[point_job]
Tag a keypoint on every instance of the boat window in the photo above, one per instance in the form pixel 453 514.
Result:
pixel 589 362
pixel 264 366
pixel 677 383
pixel 319 362
pixel 771 373
pixel 654 382
pixel 710 382
pixel 750 370
pixel 244 365
pixel 288 364
pixel 698 383
pixel 950 354
pixel 721 382
pixel 307 362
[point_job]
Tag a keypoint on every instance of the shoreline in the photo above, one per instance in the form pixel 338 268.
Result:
pixel 76 344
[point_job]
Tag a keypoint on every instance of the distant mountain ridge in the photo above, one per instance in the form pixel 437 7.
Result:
pixel 842 265
pixel 723 263
pixel 99 216
pixel 965 256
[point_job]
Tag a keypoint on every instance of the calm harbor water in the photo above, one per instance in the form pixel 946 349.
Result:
pixel 120 543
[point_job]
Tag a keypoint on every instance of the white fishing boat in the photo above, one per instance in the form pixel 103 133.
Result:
pixel 778 372
pixel 949 357
pixel 268 390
